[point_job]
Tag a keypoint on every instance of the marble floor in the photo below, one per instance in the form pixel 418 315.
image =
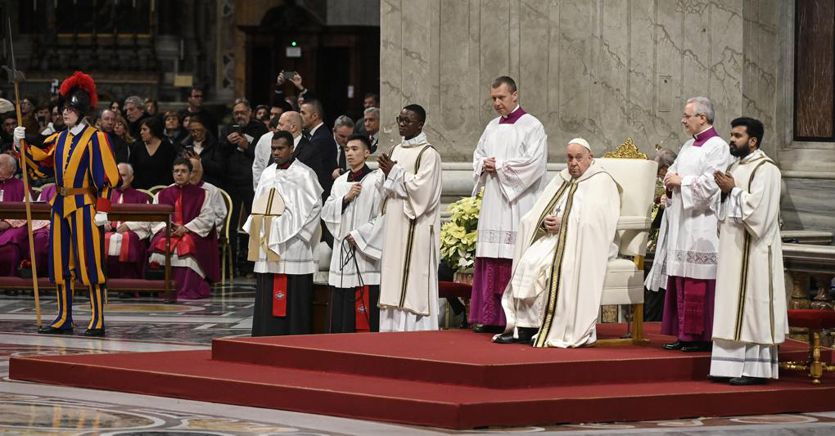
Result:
pixel 144 324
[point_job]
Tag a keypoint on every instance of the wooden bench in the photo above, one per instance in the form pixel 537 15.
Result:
pixel 119 212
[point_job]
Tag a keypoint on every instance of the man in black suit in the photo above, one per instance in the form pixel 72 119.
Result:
pixel 321 140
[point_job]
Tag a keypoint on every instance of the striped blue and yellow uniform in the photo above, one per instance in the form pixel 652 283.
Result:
pixel 85 172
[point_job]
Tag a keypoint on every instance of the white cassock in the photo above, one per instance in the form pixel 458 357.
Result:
pixel 411 247
pixel 691 242
pixel 557 281
pixel 521 152
pixel 750 317
pixel 294 234
pixel 216 202
pixel 361 219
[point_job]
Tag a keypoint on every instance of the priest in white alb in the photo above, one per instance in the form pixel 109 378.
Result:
pixel 691 238
pixel 411 218
pixel 509 163
pixel 565 243
pixel 281 242
pixel 750 318
pixel 352 215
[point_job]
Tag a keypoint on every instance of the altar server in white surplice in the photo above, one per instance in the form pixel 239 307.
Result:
pixel 352 214
pixel 509 163
pixel 411 218
pixel 281 242
pixel 566 242
pixel 750 319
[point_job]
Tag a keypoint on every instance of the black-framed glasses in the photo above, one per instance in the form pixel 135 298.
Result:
pixel 403 120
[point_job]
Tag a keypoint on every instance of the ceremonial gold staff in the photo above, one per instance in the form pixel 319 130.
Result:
pixel 16 77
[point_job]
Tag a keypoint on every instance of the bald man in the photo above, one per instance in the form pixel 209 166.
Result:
pixel 126 249
pixel 561 256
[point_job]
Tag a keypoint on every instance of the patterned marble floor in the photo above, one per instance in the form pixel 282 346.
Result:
pixel 145 324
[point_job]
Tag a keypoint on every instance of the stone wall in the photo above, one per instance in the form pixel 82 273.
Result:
pixel 604 70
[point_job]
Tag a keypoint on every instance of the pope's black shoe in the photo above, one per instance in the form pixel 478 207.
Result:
pixel 49 330
pixel 747 381
pixel 481 328
pixel 95 333
pixel 697 346
pixel 506 338
pixel 674 345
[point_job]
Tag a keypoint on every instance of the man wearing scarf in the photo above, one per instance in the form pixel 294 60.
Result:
pixel 566 242
pixel 691 238
pixel 193 244
pixel 352 214
pixel 509 163
pixel 281 242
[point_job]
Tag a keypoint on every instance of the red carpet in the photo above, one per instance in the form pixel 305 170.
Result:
pixel 452 379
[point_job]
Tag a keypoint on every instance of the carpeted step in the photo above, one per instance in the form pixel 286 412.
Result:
pixel 195 375
pixel 464 358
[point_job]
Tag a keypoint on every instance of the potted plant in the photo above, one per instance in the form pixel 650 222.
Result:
pixel 458 237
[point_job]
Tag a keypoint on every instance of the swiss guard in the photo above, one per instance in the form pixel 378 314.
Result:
pixel 81 160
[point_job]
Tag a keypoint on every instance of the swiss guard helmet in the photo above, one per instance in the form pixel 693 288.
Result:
pixel 78 92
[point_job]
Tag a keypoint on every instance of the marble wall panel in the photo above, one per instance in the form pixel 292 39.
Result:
pixel 601 69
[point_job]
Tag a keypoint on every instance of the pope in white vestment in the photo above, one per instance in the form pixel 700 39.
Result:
pixel 509 164
pixel 561 259
pixel 750 316
pixel 411 219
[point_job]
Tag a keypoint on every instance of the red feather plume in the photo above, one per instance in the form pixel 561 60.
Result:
pixel 83 81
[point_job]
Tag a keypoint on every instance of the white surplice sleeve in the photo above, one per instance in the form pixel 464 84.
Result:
pixel 417 189
pixel 204 222
pixel 303 206
pixel 479 155
pixel 516 175
pixel 700 191
pixel 369 236
pixel 261 158
pixel 332 209
pixel 753 207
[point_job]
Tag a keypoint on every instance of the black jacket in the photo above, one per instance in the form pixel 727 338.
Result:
pixel 325 149
pixel 214 164
pixel 239 162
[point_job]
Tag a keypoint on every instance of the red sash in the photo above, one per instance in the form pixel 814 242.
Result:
pixel 124 250
pixel 361 309
pixel 279 295
pixel 181 245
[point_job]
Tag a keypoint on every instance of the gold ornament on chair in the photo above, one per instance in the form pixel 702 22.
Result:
pixel 627 150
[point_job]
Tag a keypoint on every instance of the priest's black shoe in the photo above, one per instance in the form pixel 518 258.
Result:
pixel 674 345
pixel 506 338
pixel 748 381
pixel 95 333
pixel 716 379
pixel 49 330
pixel 481 328
pixel 696 346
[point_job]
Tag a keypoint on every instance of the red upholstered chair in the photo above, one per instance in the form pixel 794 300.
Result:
pixel 454 289
pixel 815 321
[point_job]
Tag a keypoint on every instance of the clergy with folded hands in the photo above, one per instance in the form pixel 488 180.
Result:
pixel 193 243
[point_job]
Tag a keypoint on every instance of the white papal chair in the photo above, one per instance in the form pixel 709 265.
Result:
pixel 624 284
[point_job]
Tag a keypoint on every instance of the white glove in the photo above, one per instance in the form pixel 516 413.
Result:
pixel 19 134
pixel 100 219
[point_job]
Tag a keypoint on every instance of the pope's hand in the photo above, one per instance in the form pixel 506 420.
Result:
pixel 100 219
pixel 551 223
pixel 19 135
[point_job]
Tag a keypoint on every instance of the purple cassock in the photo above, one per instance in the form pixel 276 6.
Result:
pixel 129 260
pixel 188 201
pixel 13 241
